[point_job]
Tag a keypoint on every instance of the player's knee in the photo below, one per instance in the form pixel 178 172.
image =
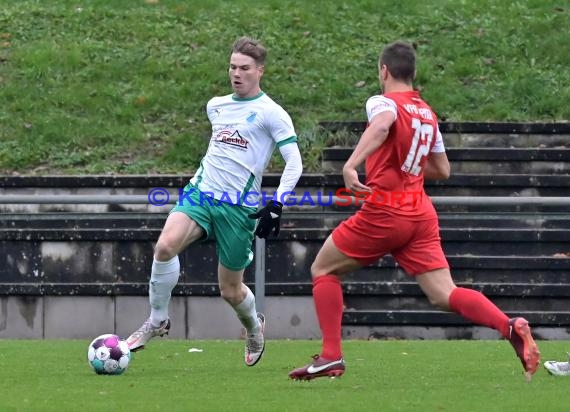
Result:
pixel 317 270
pixel 164 250
pixel 440 301
pixel 231 295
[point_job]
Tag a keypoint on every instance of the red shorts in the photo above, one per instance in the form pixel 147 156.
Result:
pixel 414 244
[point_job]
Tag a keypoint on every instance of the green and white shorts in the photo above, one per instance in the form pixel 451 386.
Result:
pixel 230 225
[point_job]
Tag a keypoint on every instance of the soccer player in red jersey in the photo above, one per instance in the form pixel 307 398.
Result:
pixel 401 146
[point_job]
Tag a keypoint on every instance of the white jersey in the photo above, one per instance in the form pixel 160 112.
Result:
pixel 244 134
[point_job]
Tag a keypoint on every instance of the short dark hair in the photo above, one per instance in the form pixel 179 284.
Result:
pixel 252 48
pixel 400 59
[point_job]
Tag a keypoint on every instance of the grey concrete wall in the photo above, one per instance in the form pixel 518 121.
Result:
pixel 85 317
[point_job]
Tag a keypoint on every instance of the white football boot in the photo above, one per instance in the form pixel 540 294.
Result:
pixel 142 335
pixel 255 344
pixel 558 368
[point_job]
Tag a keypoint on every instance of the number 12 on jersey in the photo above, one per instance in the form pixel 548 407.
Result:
pixel 421 142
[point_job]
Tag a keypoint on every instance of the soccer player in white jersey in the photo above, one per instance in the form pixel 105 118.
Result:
pixel 247 125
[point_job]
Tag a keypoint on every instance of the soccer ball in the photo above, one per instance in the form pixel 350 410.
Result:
pixel 108 355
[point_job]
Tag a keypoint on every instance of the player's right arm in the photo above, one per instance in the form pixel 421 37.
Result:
pixel 372 138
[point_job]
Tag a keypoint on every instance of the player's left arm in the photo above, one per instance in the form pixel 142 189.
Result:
pixel 437 165
pixel 270 215
pixel 292 171
pixel 283 132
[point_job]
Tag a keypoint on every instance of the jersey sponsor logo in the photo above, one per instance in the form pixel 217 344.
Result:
pixel 232 138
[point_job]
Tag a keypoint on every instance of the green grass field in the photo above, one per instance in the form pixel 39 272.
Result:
pixel 117 86
pixel 466 376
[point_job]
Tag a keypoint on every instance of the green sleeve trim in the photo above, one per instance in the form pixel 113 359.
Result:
pixel 292 139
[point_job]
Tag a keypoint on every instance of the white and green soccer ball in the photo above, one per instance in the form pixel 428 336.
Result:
pixel 108 355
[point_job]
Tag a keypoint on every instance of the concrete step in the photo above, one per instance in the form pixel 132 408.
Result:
pixel 544 270
pixel 477 134
pixel 354 291
pixel 62 254
pixel 482 160
pixel 291 219
pixel 292 264
pixel 427 317
pixel 474 235
pixel 108 185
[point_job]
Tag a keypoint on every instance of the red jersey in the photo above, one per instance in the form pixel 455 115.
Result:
pixel 395 170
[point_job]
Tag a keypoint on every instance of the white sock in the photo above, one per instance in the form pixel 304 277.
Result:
pixel 164 276
pixel 247 313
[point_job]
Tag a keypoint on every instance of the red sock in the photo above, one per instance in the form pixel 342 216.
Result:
pixel 327 294
pixel 475 306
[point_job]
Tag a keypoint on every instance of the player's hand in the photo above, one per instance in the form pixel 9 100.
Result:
pixel 352 183
pixel 269 219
